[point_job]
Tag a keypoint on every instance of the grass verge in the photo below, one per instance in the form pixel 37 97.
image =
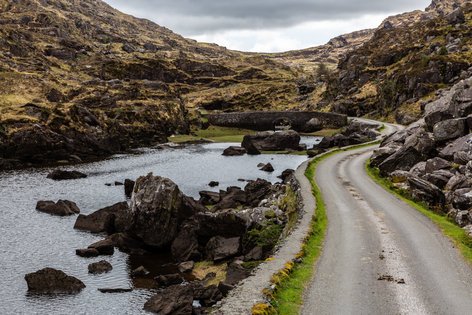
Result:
pixel 448 228
pixel 291 282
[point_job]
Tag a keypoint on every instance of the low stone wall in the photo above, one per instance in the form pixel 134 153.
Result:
pixel 268 120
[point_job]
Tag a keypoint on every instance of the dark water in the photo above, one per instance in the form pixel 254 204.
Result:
pixel 30 240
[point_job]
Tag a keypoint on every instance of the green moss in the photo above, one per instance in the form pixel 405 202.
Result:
pixel 266 237
pixel 449 228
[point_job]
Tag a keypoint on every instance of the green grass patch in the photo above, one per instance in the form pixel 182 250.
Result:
pixel 448 228
pixel 215 134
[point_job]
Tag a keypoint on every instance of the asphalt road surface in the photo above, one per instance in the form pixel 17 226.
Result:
pixel 381 256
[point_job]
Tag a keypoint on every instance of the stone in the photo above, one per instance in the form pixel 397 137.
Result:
pixel 186 266
pixel 214 184
pixel 313 125
pixel 53 281
pixel 436 164
pixel 129 186
pixel 462 157
pixel 273 141
pixel 65 175
pixel 251 148
pixel 234 151
pixel 207 295
pixel 115 290
pixel 225 223
pixel 256 191
pixel 103 220
pixel 174 300
pixel 168 280
pixel 185 246
pixel 220 248
pixel 209 198
pixel 267 168
pixel 425 191
pixel 399 176
pixel 256 253
pixel 102 266
pixel 462 199
pixel 87 252
pixel 419 169
pixel 382 154
pixel 232 198
pixel 449 129
pixel 404 159
pixel 104 247
pixel 61 208
pixel 158 207
pixel 235 273
pixel 286 174
pixel 462 144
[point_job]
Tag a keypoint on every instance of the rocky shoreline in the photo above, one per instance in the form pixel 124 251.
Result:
pixel 431 160
pixel 214 242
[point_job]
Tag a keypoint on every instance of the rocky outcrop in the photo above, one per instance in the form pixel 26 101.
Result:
pixel 102 266
pixel 53 281
pixel 356 132
pixel 60 208
pixel 431 158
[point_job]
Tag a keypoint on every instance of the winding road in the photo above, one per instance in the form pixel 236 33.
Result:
pixel 381 256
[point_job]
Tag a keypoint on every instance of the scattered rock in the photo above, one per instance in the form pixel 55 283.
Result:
pixel 102 266
pixel 104 247
pixel 53 281
pixel 87 252
pixel 234 151
pixel 65 175
pixel 214 184
pixel 176 299
pixel 140 271
pixel 267 168
pixel 103 220
pixel 61 208
pixel 219 248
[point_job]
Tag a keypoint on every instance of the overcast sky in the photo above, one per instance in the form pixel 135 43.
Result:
pixel 266 25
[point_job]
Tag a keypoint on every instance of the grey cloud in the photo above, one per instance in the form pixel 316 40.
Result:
pixel 194 17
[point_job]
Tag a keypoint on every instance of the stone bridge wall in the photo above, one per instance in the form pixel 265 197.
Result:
pixel 266 120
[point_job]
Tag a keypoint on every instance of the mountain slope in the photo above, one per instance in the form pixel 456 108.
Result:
pixel 81 79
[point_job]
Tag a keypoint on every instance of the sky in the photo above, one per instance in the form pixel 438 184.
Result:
pixel 266 25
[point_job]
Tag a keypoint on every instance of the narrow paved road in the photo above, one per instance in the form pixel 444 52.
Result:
pixel 381 256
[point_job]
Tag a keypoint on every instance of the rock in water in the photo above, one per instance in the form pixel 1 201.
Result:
pixel 158 207
pixel 65 175
pixel 52 281
pixel 172 300
pixel 129 186
pixel 102 266
pixel 234 151
pixel 272 141
pixel 103 220
pixel 61 208
pixel 267 168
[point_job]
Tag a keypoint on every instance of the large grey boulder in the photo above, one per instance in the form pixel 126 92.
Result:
pixel 272 141
pixel 436 164
pixel 158 207
pixel 110 219
pixel 53 281
pixel 450 129
pixel 426 191
pixel 404 159
pixel 219 248
pixel 462 144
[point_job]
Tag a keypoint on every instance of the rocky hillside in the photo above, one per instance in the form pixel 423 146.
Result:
pixel 80 80
pixel 431 159
pixel 408 58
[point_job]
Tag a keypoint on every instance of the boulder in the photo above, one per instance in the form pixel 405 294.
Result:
pixel 87 252
pixel 61 208
pixel 256 191
pixel 139 272
pixel 158 207
pixel 236 272
pixel 436 164
pixel 185 246
pixel 404 159
pixel 126 243
pixel 65 175
pixel 53 281
pixel 209 198
pixel 462 157
pixel 462 144
pixel 251 148
pixel 174 300
pixel 267 168
pixel 226 223
pixel 286 174
pixel 214 184
pixel 462 199
pixel 419 169
pixel 383 153
pixel 257 253
pixel 425 191
pixel 220 248
pixel 313 125
pixel 457 182
pixel 104 247
pixel 399 176
pixel 103 220
pixel 273 141
pixel 232 198
pixel 102 266
pixel 115 290
pixel 129 186
pixel 168 280
pixel 450 129
pixel 234 151
pixel 207 295
pixel 456 17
